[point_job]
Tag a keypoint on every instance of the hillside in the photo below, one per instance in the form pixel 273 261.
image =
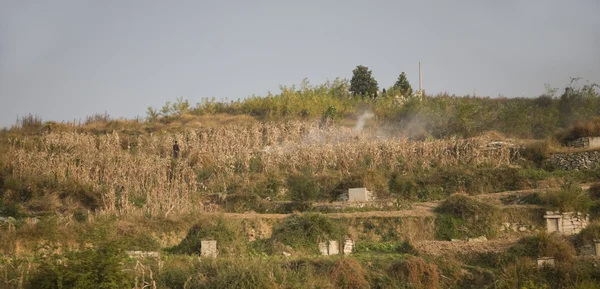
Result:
pixel 460 184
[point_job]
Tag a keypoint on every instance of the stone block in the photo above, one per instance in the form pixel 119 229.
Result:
pixel 478 239
pixel 358 195
pixel 545 261
pixel 208 248
pixel 334 248
pixel 142 254
pixel 348 247
pixel 323 248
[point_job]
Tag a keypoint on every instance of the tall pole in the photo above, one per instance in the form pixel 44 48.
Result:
pixel 420 78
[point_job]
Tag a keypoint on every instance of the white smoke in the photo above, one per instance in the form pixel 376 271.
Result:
pixel 362 119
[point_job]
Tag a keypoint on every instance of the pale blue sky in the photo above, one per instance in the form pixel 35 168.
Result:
pixel 64 60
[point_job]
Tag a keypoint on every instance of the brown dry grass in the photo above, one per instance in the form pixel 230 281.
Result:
pixel 579 129
pixel 420 274
pixel 348 273
pixel 138 174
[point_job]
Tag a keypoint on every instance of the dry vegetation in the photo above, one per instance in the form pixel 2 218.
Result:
pixel 74 196
pixel 138 174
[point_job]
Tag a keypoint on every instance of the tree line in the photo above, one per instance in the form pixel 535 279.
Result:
pixel 364 84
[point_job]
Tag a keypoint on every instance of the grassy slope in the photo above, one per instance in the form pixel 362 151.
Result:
pixel 432 117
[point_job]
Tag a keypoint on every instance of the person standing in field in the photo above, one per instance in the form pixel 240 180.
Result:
pixel 175 150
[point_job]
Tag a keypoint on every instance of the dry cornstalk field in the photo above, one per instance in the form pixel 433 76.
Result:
pixel 142 167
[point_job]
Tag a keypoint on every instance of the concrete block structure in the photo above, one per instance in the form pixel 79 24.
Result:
pixel 586 142
pixel 334 248
pixel 545 261
pixel 323 248
pixel 359 195
pixel 348 246
pixel 208 248
pixel 142 254
pixel 568 223
pixel 331 247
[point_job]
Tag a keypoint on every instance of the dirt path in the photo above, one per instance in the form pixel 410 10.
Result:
pixel 417 209
pixel 436 248
pixel 426 209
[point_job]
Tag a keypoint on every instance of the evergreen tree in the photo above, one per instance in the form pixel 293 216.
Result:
pixel 362 83
pixel 403 85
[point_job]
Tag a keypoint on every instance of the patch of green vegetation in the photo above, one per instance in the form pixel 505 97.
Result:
pixel 305 231
pixel 402 247
pixel 463 217
pixel 544 245
pixel 588 235
pixel 98 267
pixel 529 199
pixel 442 182
pixel 570 198
pixel 225 231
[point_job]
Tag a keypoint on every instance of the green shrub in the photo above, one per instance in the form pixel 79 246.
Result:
pixel 235 273
pixel 594 191
pixel 225 232
pixel 177 271
pixel 98 267
pixel 243 202
pixel 536 152
pixel 579 129
pixel 269 187
pixel 570 198
pixel 544 245
pixel 303 188
pixel 461 216
pixel 404 187
pixel 416 272
pixel 520 274
pixel 347 273
pixel 305 231
pixel 588 235
pixel 403 247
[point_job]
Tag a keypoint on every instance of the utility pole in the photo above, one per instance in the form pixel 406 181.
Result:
pixel 420 78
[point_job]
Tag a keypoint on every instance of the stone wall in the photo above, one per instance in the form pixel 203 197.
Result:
pixel 586 142
pixel 574 161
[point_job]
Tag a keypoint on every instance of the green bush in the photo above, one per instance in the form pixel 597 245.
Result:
pixel 570 198
pixel 544 245
pixel 177 271
pixel 347 273
pixel 580 128
pixel 536 152
pixel 463 217
pixel 305 231
pixel 416 272
pixel 243 202
pixel 404 187
pixel 225 232
pixel 594 191
pixel 303 188
pixel 98 267
pixel 234 273
pixel 269 187
pixel 588 235
pixel 521 274
pixel 403 247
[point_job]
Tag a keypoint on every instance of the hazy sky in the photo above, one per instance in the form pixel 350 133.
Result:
pixel 64 60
